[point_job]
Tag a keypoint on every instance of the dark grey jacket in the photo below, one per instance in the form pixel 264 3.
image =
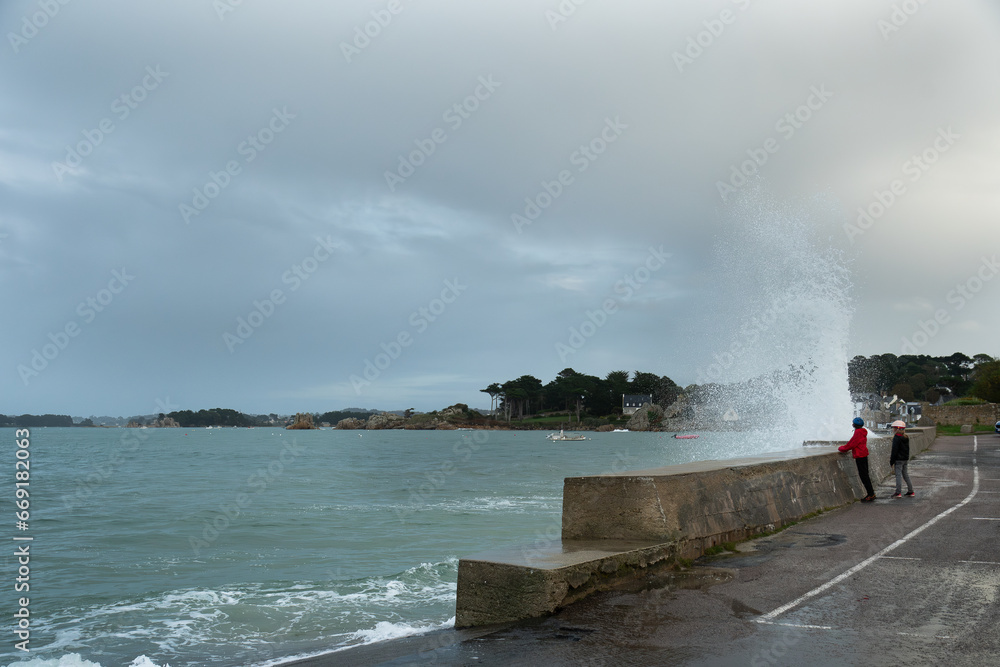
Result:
pixel 900 449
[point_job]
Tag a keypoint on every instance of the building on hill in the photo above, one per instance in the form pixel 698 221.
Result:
pixel 632 402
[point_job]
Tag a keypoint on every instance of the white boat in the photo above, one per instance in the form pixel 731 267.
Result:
pixel 562 437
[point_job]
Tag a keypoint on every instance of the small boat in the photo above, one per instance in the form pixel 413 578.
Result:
pixel 562 437
pixel 685 437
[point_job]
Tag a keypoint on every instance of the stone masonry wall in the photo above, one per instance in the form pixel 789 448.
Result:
pixel 957 415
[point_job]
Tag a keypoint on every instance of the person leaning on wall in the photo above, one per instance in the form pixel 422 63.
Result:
pixel 858 446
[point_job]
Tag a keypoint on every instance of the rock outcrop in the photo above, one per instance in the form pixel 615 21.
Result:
pixel 384 420
pixel 457 410
pixel 351 423
pixel 646 418
pixel 303 420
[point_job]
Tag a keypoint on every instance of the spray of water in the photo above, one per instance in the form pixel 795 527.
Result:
pixel 784 310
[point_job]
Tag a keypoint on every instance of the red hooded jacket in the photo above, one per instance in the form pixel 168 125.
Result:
pixel 858 443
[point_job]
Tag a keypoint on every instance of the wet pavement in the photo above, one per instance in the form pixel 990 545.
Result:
pixel 908 581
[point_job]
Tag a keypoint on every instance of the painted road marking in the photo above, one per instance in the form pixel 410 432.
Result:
pixel 983 518
pixel 901 558
pixel 799 625
pixel 806 626
pixel 871 559
pixel 979 562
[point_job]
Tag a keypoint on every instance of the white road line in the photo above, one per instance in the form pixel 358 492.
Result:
pixel 984 518
pixel 799 625
pixel 979 562
pixel 914 634
pixel 901 558
pixel 871 559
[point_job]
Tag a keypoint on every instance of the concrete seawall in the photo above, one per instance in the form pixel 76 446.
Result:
pixel 628 529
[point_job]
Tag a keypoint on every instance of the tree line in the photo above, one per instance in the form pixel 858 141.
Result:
pixel 926 378
pixel 571 391
pixel 35 421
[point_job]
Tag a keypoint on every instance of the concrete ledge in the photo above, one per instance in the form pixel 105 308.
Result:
pixel 526 582
pixel 631 527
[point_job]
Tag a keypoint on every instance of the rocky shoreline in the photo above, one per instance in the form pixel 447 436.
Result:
pixel 650 417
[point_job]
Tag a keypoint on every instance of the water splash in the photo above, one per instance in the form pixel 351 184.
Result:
pixel 783 308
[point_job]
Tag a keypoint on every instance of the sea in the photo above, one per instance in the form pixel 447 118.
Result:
pixel 235 546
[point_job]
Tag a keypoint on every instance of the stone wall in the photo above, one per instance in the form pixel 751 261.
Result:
pixel 702 504
pixel 628 528
pixel 957 415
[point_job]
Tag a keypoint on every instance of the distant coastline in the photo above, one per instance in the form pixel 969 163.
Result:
pixel 576 401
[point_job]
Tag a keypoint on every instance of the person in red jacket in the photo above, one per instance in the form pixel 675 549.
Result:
pixel 858 446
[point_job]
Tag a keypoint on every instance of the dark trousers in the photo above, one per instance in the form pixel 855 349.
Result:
pixel 863 474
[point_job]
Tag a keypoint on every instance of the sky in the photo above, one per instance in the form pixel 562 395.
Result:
pixel 307 206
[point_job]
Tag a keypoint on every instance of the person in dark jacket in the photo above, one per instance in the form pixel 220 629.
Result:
pixel 858 446
pixel 899 459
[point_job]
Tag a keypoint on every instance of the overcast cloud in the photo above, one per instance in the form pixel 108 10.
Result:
pixel 612 118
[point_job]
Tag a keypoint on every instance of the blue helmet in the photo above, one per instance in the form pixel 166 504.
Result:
pixel 858 422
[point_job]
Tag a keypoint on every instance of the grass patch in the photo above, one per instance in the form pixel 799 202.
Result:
pixel 967 400
pixel 957 430
pixel 553 420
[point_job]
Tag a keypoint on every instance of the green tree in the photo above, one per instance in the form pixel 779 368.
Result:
pixel 494 392
pixel 666 392
pixel 986 384
pixel 644 383
pixel 618 386
pixel 903 390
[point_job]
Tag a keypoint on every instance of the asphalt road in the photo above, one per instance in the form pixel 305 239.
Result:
pixel 909 581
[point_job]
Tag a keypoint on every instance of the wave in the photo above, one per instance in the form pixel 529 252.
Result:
pixel 74 660
pixel 176 625
pixel 383 631
pixel 513 504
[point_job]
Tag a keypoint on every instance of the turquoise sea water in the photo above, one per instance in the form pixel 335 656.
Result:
pixel 252 546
